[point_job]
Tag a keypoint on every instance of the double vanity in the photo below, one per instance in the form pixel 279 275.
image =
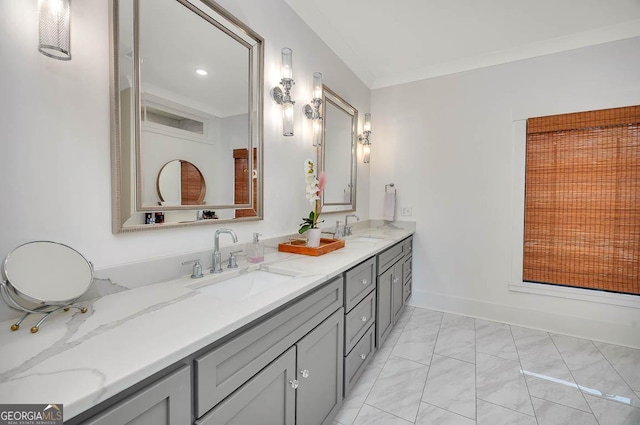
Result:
pixel 280 342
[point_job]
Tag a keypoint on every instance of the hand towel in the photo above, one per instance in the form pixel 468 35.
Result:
pixel 389 210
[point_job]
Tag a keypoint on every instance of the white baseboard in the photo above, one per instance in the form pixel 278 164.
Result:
pixel 589 328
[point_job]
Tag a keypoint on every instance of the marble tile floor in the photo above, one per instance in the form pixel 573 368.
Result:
pixel 444 369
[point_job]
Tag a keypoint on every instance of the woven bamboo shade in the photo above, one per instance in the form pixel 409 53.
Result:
pixel 582 200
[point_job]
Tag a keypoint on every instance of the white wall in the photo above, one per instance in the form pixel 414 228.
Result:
pixel 448 143
pixel 54 152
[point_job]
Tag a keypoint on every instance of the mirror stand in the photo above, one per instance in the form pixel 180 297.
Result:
pixel 47 310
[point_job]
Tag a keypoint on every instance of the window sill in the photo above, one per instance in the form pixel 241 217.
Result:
pixel 625 300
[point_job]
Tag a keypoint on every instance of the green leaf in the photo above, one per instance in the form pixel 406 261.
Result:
pixel 304 228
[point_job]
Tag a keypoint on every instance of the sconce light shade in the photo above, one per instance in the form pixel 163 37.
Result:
pixel 287 63
pixel 317 85
pixel 367 122
pixel 287 119
pixel 312 110
pixel 366 154
pixel 54 22
pixel 282 96
pixel 364 138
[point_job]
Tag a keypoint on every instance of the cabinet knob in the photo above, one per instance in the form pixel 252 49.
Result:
pixel 363 356
pixel 294 383
pixel 304 373
pixel 364 281
pixel 364 318
pixel 395 280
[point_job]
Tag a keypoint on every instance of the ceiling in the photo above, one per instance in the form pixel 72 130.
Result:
pixel 393 42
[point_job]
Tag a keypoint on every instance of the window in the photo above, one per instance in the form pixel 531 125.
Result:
pixel 582 200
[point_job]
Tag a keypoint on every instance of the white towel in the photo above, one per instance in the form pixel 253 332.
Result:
pixel 389 210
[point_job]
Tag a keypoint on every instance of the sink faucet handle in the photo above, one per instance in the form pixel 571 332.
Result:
pixel 232 259
pixel 197 268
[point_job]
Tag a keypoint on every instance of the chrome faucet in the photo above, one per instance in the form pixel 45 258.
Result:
pixel 216 261
pixel 347 228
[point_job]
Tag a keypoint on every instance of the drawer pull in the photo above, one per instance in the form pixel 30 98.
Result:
pixel 294 383
pixel 304 373
pixel 363 356
pixel 364 281
pixel 364 318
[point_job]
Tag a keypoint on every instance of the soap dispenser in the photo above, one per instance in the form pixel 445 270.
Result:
pixel 255 250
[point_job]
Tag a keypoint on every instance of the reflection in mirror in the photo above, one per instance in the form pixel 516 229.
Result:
pixel 338 153
pixel 181 183
pixel 194 95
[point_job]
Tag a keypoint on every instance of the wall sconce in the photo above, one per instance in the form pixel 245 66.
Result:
pixel 54 24
pixel 312 111
pixel 284 97
pixel 364 138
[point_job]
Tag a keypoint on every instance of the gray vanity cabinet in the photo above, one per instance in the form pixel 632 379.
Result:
pixel 268 398
pixel 391 288
pixel 407 267
pixel 303 386
pixel 397 283
pixel 320 373
pixel 360 318
pixel 165 402
pixel 384 314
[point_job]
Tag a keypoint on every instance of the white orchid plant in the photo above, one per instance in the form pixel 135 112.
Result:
pixel 315 186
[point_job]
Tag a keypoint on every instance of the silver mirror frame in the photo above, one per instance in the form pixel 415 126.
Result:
pixel 255 113
pixel 332 97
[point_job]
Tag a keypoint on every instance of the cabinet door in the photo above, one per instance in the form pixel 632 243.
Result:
pixel 267 399
pixel 397 283
pixel 166 402
pixel 384 316
pixel 320 372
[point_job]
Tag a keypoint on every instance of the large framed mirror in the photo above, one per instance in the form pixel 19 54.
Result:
pixel 186 82
pixel 338 153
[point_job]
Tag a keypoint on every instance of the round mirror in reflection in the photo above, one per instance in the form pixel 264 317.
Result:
pixel 181 183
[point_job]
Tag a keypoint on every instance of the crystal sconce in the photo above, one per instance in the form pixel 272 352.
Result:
pixel 283 96
pixel 312 111
pixel 364 138
pixel 54 24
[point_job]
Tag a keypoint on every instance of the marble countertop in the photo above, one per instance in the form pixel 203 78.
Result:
pixel 80 360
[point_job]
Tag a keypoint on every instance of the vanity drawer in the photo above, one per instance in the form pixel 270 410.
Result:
pixel 359 281
pixel 407 267
pixel 389 257
pixel 356 362
pixel 407 290
pixel 408 246
pixel 225 368
pixel 359 320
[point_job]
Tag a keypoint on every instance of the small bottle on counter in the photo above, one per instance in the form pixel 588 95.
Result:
pixel 338 231
pixel 255 250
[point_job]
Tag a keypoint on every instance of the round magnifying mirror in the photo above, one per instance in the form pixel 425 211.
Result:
pixel 181 183
pixel 48 273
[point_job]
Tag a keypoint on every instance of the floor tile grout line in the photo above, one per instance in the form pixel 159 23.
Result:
pixel 535 415
pixel 376 380
pixel 613 366
pixel 450 411
pixel 509 408
pixel 553 341
pixel 388 413
pixel 424 386
pixel 564 405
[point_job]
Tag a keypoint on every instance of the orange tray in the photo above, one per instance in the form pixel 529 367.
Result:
pixel 300 246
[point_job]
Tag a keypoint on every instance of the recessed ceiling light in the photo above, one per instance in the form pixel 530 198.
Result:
pixel 201 72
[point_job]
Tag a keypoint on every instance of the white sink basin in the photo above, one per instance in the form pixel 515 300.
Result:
pixel 367 239
pixel 243 286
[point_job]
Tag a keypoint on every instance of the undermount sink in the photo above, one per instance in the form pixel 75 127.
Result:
pixel 367 239
pixel 243 286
